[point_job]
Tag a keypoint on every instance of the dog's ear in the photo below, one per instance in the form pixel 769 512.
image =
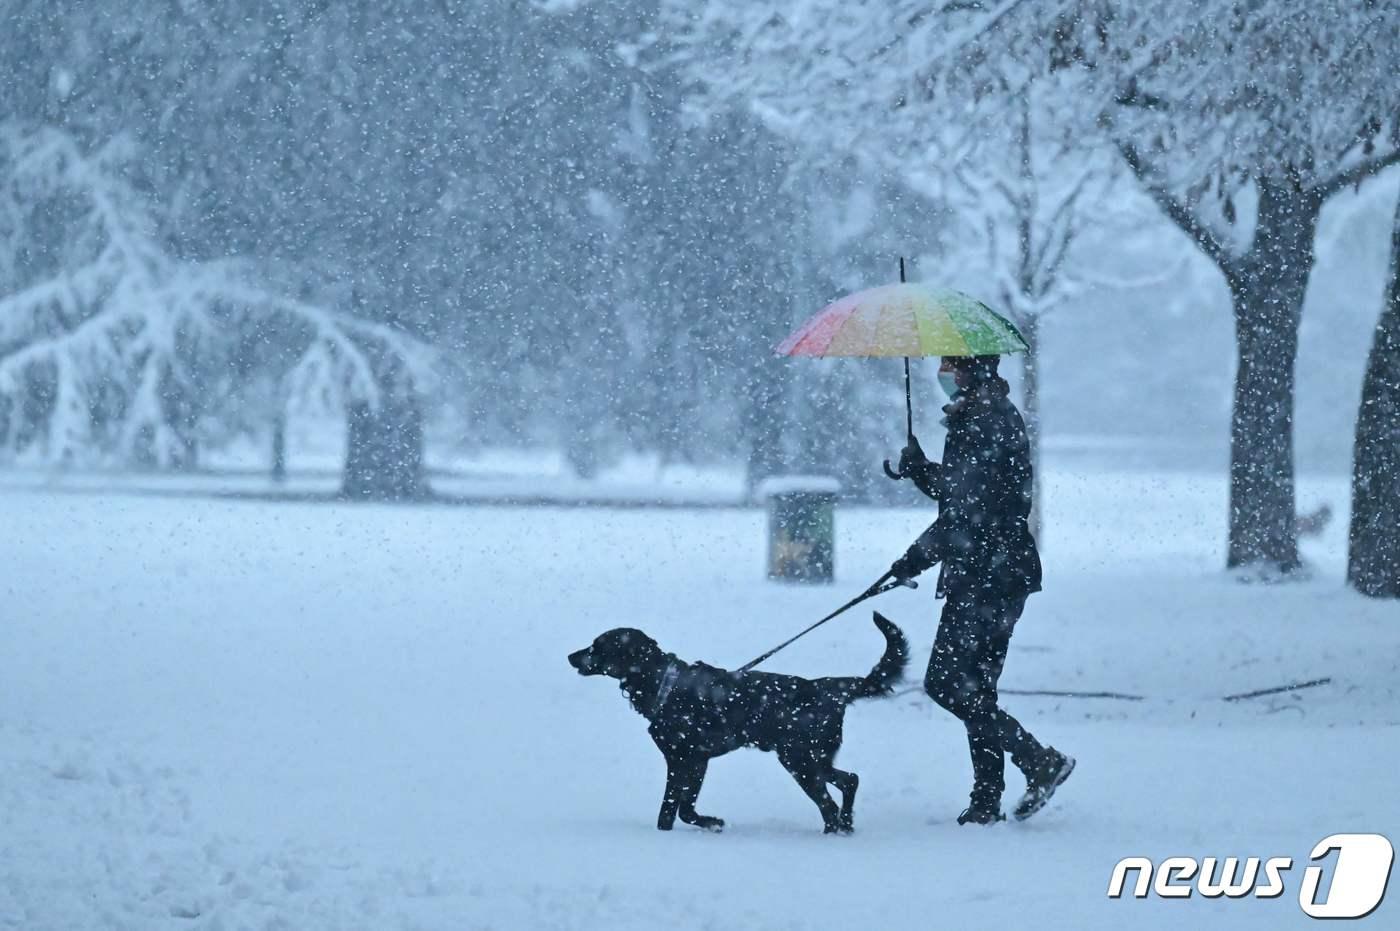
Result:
pixel 628 640
pixel 637 648
pixel 623 644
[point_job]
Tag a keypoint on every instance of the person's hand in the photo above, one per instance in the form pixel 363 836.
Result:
pixel 905 568
pixel 912 458
pixel 922 554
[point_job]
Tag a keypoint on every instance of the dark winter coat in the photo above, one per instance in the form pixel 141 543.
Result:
pixel 983 490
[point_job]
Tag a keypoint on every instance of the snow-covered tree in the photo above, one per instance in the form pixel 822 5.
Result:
pixel 1027 199
pixel 112 347
pixel 1241 124
pixel 466 171
pixel 1240 119
pixel 1018 192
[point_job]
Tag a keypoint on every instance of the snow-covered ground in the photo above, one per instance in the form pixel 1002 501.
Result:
pixel 525 475
pixel 227 714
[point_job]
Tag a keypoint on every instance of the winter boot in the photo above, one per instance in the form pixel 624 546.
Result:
pixel 974 815
pixel 1048 774
pixel 981 809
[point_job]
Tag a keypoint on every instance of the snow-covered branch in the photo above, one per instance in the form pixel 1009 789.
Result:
pixel 104 348
pixel 1359 169
pixel 1175 210
pixel 1205 101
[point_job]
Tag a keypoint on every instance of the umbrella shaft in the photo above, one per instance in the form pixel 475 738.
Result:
pixel 908 395
pixel 908 401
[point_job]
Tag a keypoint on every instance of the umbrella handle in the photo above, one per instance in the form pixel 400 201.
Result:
pixel 896 476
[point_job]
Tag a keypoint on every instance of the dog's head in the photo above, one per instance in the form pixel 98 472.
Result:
pixel 616 653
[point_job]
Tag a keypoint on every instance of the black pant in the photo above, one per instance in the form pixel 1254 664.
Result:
pixel 968 653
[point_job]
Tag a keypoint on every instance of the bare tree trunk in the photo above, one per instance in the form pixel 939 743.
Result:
pixel 180 406
pixel 766 417
pixel 763 420
pixel 580 446
pixel 1030 329
pixel 279 446
pixel 1025 206
pixel 1268 285
pixel 1373 553
pixel 1262 504
pixel 384 442
pixel 384 451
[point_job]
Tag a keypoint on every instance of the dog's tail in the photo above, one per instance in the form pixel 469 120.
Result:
pixel 889 669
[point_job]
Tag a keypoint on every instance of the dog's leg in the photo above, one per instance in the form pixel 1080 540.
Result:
pixel 683 780
pixel 691 792
pixel 847 783
pixel 671 801
pixel 808 775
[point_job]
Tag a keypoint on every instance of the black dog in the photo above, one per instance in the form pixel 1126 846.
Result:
pixel 698 712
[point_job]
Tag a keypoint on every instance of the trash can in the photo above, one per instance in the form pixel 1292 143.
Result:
pixel 801 526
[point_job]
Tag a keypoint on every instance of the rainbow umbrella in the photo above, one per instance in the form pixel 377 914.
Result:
pixel 905 319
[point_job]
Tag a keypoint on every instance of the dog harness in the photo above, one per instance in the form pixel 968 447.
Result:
pixel 668 682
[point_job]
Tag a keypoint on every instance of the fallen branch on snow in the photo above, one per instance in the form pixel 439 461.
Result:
pixel 1291 687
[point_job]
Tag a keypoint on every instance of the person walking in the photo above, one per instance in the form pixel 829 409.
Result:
pixel 989 566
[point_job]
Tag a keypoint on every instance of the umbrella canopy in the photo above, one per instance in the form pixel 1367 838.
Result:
pixel 905 320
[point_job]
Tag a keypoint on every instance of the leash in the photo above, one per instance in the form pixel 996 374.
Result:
pixel 882 585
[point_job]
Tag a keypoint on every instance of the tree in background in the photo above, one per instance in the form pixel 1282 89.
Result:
pixel 281 133
pixel 1016 192
pixel 699 238
pixel 1293 136
pixel 512 182
pixel 1373 556
pixel 1240 120
pixel 109 345
pixel 1034 196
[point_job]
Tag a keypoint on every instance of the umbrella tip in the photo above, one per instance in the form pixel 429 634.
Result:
pixel 901 269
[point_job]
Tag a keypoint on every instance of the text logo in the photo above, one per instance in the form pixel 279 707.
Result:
pixel 1357 867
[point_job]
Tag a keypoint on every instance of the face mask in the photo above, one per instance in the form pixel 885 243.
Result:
pixel 949 383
